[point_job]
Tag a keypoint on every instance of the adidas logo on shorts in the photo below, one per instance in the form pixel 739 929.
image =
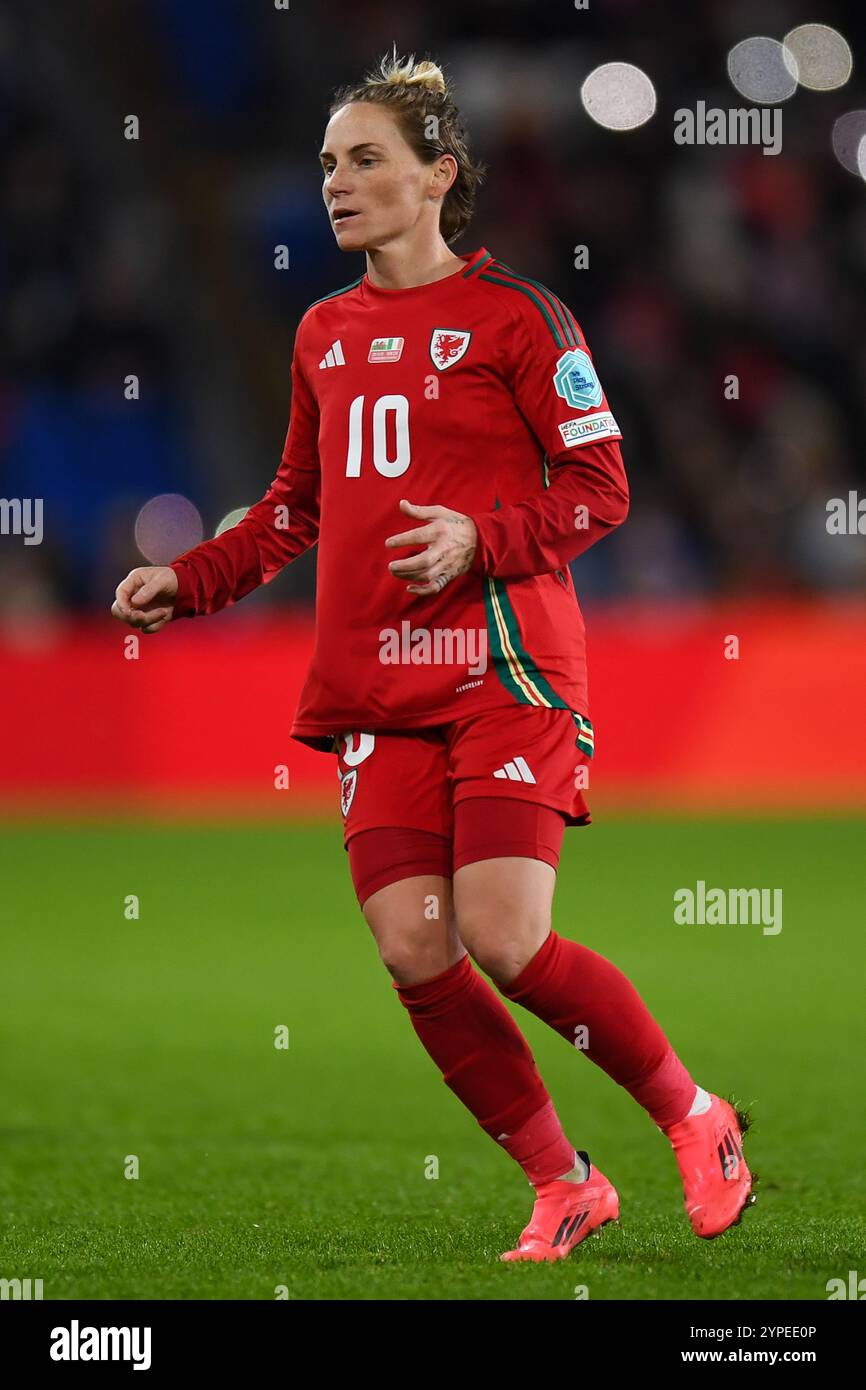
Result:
pixel 516 771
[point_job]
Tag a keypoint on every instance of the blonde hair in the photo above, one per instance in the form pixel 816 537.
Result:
pixel 417 92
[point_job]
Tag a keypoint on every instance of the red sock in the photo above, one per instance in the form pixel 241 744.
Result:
pixel 485 1060
pixel 567 986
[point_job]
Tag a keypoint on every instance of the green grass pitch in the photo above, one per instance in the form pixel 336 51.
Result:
pixel 305 1167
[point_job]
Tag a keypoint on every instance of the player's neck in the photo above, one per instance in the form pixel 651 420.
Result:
pixel 401 267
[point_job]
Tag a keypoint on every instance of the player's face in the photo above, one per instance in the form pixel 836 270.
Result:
pixel 375 187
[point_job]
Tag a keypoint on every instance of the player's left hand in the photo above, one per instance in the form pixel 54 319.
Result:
pixel 450 539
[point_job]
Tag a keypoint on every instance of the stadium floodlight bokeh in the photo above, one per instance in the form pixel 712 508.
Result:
pixel 231 519
pixel 618 96
pixel 849 132
pixel 819 57
pixel 761 71
pixel 167 525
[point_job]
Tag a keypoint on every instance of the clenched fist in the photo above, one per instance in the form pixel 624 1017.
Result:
pixel 145 598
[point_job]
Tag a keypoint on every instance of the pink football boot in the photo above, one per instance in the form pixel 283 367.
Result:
pixel 564 1214
pixel 716 1179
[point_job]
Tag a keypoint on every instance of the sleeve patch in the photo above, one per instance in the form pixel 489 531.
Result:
pixel 576 381
pixel 588 428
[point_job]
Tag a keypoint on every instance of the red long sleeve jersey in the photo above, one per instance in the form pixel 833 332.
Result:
pixel 476 392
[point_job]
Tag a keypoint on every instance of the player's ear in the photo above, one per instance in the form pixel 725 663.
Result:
pixel 444 174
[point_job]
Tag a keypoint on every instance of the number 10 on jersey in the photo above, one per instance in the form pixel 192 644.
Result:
pixel 383 408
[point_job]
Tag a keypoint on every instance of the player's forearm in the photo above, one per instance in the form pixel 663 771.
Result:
pixel 279 528
pixel 215 574
pixel 587 499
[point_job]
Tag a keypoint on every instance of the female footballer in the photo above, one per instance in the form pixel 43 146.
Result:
pixel 451 450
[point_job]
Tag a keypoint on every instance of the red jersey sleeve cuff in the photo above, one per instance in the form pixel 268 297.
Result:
pixel 184 599
pixel 481 558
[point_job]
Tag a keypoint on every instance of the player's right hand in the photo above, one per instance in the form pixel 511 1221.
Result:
pixel 145 597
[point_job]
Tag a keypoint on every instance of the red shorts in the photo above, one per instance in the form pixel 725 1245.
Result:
pixel 502 783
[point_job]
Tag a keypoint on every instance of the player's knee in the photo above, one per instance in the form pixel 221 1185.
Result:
pixel 500 944
pixel 402 960
pixel 411 955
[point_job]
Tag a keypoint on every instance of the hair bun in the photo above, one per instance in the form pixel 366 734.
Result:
pixel 407 73
pixel 427 74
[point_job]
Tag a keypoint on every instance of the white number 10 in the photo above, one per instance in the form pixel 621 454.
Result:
pixel 389 468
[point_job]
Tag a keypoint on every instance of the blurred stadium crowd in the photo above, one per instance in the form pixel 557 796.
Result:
pixel 155 257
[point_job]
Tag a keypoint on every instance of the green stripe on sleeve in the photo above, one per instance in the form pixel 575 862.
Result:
pixel 563 315
pixel 539 303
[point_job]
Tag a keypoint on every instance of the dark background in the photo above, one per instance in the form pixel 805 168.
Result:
pixel 156 257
